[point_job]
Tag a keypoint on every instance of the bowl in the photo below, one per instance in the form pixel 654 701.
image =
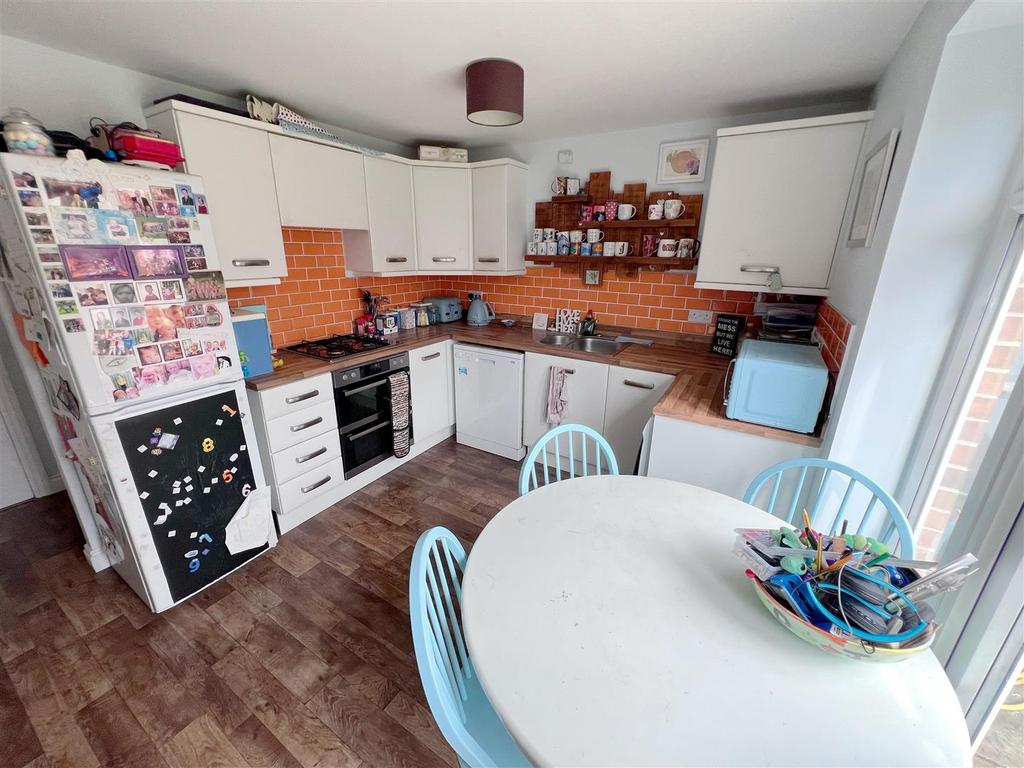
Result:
pixel 852 648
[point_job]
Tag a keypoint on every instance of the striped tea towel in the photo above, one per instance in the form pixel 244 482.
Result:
pixel 401 433
pixel 556 396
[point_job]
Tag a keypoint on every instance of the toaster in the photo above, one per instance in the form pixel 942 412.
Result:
pixel 444 309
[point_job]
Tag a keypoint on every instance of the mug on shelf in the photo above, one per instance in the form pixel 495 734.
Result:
pixel 611 209
pixel 668 248
pixel 531 248
pixel 648 246
pixel 674 208
pixel 585 249
pixel 574 249
pixel 622 248
pixel 609 247
pixel 576 236
pixel 563 248
pixel 562 237
pixel 597 249
pixel 550 248
pixel 595 235
pixel 689 247
pixel 655 211
pixel 549 234
pixel 586 213
pixel 538 235
pixel 626 211
pixel 600 213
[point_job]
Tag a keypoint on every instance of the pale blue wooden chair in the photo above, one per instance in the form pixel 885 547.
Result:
pixel 551 441
pixel 459 706
pixel 857 485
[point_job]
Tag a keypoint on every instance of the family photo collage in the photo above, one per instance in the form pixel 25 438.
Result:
pixel 135 274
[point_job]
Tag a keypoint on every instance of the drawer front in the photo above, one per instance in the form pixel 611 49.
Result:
pixel 306 456
pixel 289 398
pixel 286 431
pixel 309 485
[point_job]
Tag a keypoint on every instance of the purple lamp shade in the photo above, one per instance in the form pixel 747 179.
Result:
pixel 494 92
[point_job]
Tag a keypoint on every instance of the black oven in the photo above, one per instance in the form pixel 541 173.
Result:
pixel 363 400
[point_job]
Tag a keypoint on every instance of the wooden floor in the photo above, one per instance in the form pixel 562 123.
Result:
pixel 301 658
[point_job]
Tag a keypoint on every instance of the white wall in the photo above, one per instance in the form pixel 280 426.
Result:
pixel 631 156
pixel 64 90
pixel 958 105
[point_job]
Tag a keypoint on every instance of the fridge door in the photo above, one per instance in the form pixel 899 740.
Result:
pixel 127 324
pixel 181 472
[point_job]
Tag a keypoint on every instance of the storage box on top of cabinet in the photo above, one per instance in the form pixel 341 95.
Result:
pixel 776 203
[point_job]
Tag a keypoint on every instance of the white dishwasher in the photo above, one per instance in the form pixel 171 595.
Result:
pixel 489 400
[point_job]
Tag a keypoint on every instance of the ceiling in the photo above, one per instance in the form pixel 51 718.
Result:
pixel 396 70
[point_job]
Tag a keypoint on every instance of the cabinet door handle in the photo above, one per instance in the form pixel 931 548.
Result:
pixel 637 384
pixel 397 259
pixel 568 371
pixel 764 269
pixel 313 455
pixel 430 357
pixel 489 260
pixel 250 262
pixel 306 425
pixel 316 485
pixel 300 398
pixel 444 258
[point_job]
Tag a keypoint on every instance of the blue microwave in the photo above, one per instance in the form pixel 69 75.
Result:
pixel 777 385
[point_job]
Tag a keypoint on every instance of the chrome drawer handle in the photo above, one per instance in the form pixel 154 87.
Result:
pixel 444 258
pixel 568 371
pixel 397 259
pixel 355 436
pixel 316 485
pixel 763 269
pixel 307 425
pixel 430 357
pixel 313 455
pixel 250 262
pixel 300 398
pixel 489 260
pixel 637 384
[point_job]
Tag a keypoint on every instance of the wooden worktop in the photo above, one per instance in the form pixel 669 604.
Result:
pixel 696 394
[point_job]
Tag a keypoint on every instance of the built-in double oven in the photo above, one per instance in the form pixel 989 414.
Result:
pixel 362 396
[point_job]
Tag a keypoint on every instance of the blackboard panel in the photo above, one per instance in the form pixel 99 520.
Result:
pixel 726 338
pixel 191 466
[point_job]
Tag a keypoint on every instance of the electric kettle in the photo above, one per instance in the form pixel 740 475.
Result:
pixel 480 313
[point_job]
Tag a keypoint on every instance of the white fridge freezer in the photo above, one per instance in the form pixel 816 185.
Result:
pixel 489 400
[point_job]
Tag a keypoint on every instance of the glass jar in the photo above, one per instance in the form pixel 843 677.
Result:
pixel 25 135
pixel 422 315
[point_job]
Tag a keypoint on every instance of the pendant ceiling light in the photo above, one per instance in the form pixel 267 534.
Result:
pixel 494 92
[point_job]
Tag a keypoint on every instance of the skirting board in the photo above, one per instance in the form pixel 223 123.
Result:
pixel 297 517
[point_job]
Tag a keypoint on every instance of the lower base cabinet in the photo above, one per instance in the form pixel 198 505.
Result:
pixel 433 393
pixel 632 395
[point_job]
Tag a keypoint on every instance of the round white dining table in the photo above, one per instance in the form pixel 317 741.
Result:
pixel 611 625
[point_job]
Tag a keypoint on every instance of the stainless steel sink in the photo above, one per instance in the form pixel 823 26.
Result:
pixel 558 339
pixel 596 345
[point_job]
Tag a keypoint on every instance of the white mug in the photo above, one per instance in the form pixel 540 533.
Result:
pixel 609 247
pixel 576 236
pixel 538 235
pixel 549 233
pixel 623 248
pixel 550 248
pixel 667 248
pixel 674 209
pixel 531 248
pixel 626 211
pixel 655 211
pixel 595 235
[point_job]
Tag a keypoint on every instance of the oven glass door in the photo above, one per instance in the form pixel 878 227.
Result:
pixel 365 447
pixel 362 404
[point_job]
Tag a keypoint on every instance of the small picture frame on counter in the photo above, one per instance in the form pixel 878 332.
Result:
pixel 726 339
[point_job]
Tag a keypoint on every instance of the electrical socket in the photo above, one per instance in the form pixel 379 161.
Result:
pixel 699 316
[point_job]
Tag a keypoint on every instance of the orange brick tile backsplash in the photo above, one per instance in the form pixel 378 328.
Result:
pixel 834 332
pixel 316 299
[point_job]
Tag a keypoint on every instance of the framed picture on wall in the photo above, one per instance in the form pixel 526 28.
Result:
pixel 681 162
pixel 873 177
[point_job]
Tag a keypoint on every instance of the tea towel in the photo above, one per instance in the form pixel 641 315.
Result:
pixel 399 383
pixel 556 395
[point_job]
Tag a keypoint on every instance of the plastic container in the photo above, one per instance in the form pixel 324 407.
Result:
pixel 407 318
pixel 25 135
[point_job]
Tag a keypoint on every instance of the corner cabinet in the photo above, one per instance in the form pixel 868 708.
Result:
pixel 389 243
pixel 499 217
pixel 238 175
pixel 318 185
pixel 443 203
pixel 776 203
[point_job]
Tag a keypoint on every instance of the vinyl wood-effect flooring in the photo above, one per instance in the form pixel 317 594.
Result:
pixel 303 657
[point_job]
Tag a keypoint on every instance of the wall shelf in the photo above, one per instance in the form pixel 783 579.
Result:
pixel 639 224
pixel 639 261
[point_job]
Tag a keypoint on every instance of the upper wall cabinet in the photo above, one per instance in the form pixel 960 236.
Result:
pixel 443 203
pixel 499 217
pixel 776 203
pixel 317 185
pixel 389 244
pixel 234 161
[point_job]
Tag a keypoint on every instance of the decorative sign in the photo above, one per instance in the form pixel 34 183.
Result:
pixel 727 334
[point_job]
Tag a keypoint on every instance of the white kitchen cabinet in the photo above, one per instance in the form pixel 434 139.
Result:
pixel 317 185
pixel 433 393
pixel 443 229
pixel 586 386
pixel 238 176
pixel 499 217
pixel 715 458
pixel 776 203
pixel 632 395
pixel 389 244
